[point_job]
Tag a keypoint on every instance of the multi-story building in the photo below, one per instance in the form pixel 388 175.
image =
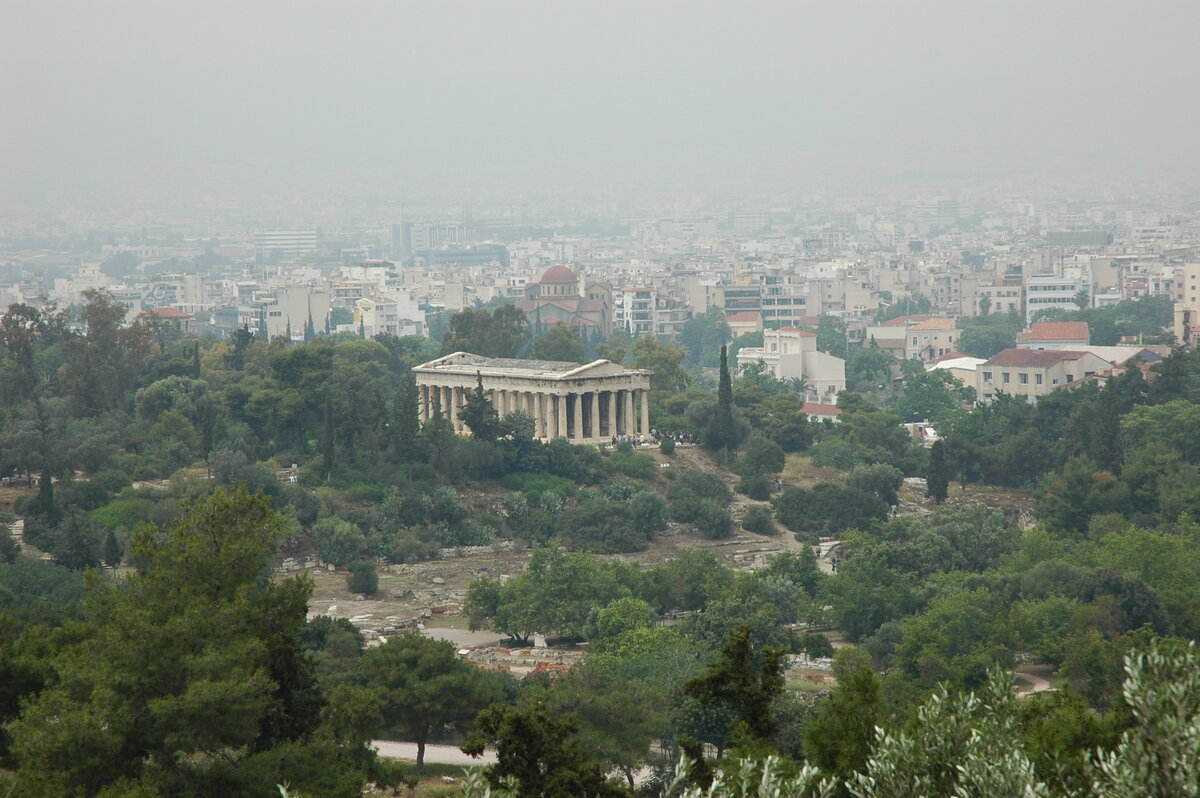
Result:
pixel 1033 373
pixel 789 353
pixel 284 242
pixel 1046 291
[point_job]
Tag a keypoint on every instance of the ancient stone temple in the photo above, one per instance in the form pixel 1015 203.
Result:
pixel 586 403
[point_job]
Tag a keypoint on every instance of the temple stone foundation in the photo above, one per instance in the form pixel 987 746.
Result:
pixel 583 403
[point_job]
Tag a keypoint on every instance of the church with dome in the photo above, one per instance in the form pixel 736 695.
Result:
pixel 560 295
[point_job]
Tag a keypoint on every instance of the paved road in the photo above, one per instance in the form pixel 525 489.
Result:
pixel 434 754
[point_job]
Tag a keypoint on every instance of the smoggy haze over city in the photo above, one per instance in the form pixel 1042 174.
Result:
pixel 175 99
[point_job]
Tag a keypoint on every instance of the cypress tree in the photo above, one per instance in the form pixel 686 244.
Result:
pixel 723 430
pixel 327 445
pixel 937 477
pixel 407 429
pixel 362 326
pixel 196 362
pixel 112 550
pixel 310 331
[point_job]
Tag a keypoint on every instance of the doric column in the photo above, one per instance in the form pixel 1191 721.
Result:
pixel 539 415
pixel 452 405
pixel 645 426
pixel 560 414
pixel 630 427
pixel 595 414
pixel 422 396
pixel 578 406
pixel 612 413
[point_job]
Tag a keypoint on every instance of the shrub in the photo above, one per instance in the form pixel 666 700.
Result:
pixel 712 520
pixel 760 455
pixel 880 479
pixel 667 446
pixel 828 509
pixel 757 487
pixel 362 578
pixel 696 485
pixel 531 482
pixel 835 453
pixel 337 541
pixel 638 466
pixel 758 519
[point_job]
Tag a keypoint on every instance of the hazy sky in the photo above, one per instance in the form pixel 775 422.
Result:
pixel 188 95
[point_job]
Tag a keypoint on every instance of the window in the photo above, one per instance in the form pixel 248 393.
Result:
pixel 1037 379
pixel 987 377
pixel 1004 378
pixel 1070 378
pixel 1023 378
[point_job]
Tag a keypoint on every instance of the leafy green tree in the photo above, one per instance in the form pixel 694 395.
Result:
pixel 879 479
pixel 618 718
pixel 960 744
pixel 761 455
pixel 930 395
pixel 985 336
pixel 703 335
pixel 562 342
pixel 1159 755
pixel 423 687
pixel 501 333
pixel 540 753
pixel 663 360
pixel 869 369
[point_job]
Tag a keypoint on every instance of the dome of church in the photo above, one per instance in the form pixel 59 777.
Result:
pixel 558 275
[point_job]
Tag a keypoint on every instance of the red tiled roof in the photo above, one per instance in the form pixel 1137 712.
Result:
pixel 814 409
pixel 1056 331
pixel 745 315
pixel 801 333
pixel 1033 358
pixel 939 323
pixel 170 313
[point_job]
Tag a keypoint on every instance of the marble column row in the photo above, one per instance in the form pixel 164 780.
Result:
pixel 574 415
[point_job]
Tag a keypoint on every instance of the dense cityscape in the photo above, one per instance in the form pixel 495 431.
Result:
pixel 538 401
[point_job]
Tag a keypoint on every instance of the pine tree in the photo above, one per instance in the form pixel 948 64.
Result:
pixel 479 415
pixel 937 477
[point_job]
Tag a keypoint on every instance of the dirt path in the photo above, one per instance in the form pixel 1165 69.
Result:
pixel 434 754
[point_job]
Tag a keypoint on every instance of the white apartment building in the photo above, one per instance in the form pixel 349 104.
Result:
pixel 1045 291
pixel 636 310
pixel 285 242
pixel 789 353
